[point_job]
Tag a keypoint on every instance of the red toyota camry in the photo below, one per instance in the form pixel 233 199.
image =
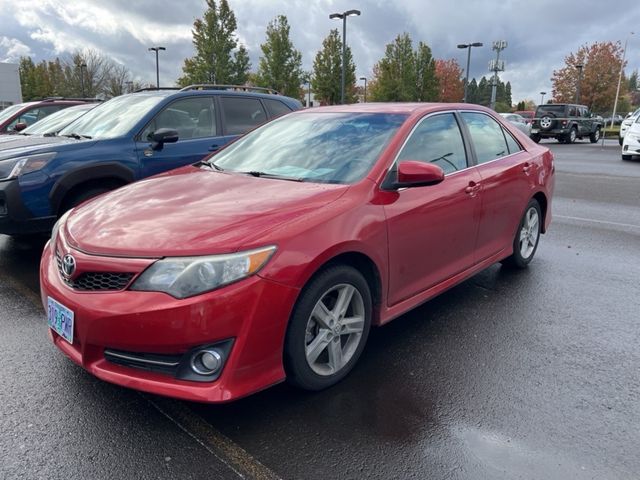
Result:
pixel 272 259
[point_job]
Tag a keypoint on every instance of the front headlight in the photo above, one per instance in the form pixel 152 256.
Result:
pixel 183 277
pixel 13 167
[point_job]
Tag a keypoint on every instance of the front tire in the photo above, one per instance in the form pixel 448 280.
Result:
pixel 595 136
pixel 626 157
pixel 571 136
pixel 328 328
pixel 525 242
pixel 536 138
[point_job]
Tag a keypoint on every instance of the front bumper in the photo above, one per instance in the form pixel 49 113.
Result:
pixel 631 145
pixel 253 313
pixel 15 218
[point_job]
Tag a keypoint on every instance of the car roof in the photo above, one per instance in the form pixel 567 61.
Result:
pixel 400 107
pixel 208 92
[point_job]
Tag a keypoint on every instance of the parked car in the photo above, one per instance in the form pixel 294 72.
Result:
pixel 565 122
pixel 617 119
pixel 273 258
pixel 527 115
pixel 49 126
pixel 17 117
pixel 626 123
pixel 519 121
pixel 127 138
pixel 631 143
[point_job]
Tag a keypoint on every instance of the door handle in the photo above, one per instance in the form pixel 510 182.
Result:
pixel 472 189
pixel 214 147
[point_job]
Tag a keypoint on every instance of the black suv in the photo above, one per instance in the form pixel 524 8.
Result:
pixel 565 122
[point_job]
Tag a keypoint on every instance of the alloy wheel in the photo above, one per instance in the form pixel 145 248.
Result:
pixel 529 233
pixel 334 329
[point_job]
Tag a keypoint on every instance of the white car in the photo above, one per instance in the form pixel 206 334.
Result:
pixel 631 142
pixel 626 123
pixel 519 121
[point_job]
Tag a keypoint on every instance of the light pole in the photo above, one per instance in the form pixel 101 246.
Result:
pixel 308 91
pixel 344 16
pixel 83 66
pixel 542 97
pixel 579 67
pixel 157 49
pixel 365 88
pixel 129 84
pixel 615 103
pixel 466 81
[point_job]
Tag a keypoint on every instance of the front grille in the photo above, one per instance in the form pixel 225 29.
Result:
pixel 96 281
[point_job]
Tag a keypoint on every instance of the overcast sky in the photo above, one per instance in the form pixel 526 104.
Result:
pixel 539 34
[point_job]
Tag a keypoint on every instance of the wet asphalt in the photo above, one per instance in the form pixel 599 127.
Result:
pixel 512 374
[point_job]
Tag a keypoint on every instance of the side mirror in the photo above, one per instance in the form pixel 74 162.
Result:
pixel 162 136
pixel 20 126
pixel 411 173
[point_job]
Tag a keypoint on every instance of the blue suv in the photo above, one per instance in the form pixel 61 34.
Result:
pixel 125 139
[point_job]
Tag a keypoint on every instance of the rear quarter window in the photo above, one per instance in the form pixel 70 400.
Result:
pixel 276 107
pixel 241 114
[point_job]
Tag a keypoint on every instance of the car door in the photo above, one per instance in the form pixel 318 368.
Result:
pixel 432 229
pixel 194 118
pixel 506 178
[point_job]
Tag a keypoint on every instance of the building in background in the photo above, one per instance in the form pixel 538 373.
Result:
pixel 10 91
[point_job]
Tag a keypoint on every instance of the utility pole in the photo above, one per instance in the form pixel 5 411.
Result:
pixel 496 66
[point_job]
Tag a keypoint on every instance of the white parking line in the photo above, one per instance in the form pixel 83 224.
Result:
pixel 591 220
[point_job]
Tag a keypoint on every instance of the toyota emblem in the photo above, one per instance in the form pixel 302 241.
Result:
pixel 68 265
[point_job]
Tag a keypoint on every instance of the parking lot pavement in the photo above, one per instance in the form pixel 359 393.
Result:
pixel 530 374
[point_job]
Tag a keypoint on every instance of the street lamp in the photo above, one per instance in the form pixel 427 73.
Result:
pixel 365 88
pixel 466 81
pixel 157 49
pixel 344 16
pixel 309 91
pixel 83 66
pixel 542 97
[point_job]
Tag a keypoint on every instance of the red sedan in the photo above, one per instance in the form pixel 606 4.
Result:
pixel 272 259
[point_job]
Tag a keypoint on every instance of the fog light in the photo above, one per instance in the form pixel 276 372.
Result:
pixel 206 362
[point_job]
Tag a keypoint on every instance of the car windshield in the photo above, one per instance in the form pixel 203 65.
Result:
pixel 56 121
pixel 113 118
pixel 315 147
pixel 10 111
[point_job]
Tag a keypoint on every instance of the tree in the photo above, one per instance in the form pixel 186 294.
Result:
pixel 449 76
pixel 218 58
pixel 601 63
pixel 426 80
pixel 327 72
pixel 281 64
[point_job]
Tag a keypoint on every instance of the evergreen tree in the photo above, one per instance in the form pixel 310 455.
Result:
pixel 405 75
pixel 281 65
pixel 327 72
pixel 427 81
pixel 218 58
pixel 472 91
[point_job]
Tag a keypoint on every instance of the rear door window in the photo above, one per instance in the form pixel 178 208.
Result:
pixel 487 135
pixel 241 114
pixel 276 107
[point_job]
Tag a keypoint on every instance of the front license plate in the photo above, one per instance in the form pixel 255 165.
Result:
pixel 534 130
pixel 60 319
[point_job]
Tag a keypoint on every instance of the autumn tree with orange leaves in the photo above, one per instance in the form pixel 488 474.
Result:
pixel 601 65
pixel 449 75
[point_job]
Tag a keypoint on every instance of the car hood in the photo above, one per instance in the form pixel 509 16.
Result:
pixel 8 142
pixel 34 144
pixel 193 211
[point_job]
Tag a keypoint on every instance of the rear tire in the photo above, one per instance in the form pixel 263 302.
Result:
pixel 328 328
pixel 525 242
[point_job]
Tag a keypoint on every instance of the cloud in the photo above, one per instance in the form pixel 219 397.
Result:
pixel 11 49
pixel 540 34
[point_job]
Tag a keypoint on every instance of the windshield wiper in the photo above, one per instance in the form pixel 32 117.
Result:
pixel 208 164
pixel 255 173
pixel 50 134
pixel 77 136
